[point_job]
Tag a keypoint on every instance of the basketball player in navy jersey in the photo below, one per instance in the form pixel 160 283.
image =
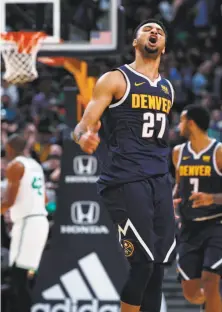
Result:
pixel 129 109
pixel 198 166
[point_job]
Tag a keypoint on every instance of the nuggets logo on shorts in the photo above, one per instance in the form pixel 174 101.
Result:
pixel 128 248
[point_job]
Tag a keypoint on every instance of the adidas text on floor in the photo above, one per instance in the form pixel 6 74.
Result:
pixel 88 289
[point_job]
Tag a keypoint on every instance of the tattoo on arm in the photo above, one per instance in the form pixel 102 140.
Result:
pixel 76 135
pixel 217 198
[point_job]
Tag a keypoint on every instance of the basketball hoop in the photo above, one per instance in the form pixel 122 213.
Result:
pixel 19 51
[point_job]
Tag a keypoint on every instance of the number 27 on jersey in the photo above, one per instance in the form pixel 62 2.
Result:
pixel 149 124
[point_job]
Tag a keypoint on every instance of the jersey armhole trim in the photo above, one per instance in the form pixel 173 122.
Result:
pixel 215 160
pixel 172 91
pixel 180 155
pixel 128 86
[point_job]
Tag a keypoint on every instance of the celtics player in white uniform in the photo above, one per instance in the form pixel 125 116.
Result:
pixel 25 197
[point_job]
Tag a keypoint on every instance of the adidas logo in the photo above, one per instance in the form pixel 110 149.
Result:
pixel 84 289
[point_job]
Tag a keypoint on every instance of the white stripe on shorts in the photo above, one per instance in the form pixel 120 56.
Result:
pixel 183 274
pixel 170 251
pixel 130 225
pixel 217 264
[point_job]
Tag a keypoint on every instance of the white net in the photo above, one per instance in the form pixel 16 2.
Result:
pixel 19 67
pixel 20 58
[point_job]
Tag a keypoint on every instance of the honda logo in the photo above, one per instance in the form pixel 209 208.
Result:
pixel 84 215
pixel 85 165
pixel 85 212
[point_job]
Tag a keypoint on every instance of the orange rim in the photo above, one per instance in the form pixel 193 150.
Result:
pixel 52 61
pixel 26 41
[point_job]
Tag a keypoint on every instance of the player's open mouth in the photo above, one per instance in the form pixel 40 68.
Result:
pixel 153 40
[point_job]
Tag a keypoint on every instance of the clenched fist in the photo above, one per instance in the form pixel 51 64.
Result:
pixel 90 140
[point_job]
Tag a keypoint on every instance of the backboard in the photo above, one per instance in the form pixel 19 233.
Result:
pixel 75 27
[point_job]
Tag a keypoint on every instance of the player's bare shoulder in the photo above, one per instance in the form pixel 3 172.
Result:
pixel 219 157
pixel 15 170
pixel 176 153
pixel 114 81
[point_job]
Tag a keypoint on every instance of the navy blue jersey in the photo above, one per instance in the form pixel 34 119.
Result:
pixel 134 133
pixel 199 173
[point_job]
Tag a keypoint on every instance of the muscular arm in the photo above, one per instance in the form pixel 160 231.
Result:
pixel 14 173
pixel 206 199
pixel 107 87
pixel 217 198
pixel 219 158
pixel 175 157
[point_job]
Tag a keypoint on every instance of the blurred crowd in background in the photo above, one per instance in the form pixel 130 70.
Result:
pixel 193 63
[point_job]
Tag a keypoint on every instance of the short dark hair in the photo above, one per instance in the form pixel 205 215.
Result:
pixel 199 114
pixel 150 20
pixel 17 142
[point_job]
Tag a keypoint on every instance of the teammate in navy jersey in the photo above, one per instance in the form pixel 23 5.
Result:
pixel 198 166
pixel 130 108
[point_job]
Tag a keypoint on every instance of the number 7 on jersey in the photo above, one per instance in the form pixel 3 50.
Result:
pixel 195 183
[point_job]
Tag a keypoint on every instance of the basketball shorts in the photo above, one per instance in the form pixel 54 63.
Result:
pixel 143 211
pixel 28 240
pixel 199 248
